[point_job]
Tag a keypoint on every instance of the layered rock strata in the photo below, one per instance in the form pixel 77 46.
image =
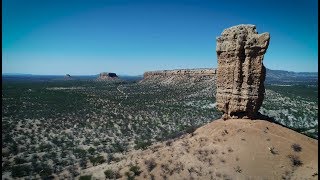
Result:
pixel 182 72
pixel 179 76
pixel 241 73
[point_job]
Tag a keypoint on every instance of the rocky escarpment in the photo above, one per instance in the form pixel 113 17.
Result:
pixel 241 73
pixel 107 76
pixel 179 76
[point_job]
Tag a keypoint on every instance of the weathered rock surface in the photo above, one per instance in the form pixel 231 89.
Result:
pixel 107 76
pixel 179 76
pixel 241 73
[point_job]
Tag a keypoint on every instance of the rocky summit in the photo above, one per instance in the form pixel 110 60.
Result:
pixel 241 73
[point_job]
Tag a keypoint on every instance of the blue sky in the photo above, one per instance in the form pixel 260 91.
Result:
pixel 83 37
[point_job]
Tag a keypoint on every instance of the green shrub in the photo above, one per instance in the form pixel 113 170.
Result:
pixel 296 147
pixel 91 150
pixel 130 175
pixel 20 170
pixel 46 171
pixel 119 147
pixel 295 160
pixel 135 170
pixel 86 177
pixel 112 158
pixel 151 164
pixel 110 174
pixel 191 129
pixel 97 160
pixel 83 163
pixel 80 153
pixel 142 144
pixel 18 160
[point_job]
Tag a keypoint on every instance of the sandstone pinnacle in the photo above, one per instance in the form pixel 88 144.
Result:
pixel 241 73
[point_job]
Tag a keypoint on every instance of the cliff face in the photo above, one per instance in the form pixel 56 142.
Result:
pixel 179 76
pixel 182 72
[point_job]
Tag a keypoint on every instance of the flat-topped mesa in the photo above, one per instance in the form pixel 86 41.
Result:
pixel 68 77
pixel 241 73
pixel 107 76
pixel 180 72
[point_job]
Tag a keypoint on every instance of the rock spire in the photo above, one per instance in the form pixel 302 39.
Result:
pixel 241 73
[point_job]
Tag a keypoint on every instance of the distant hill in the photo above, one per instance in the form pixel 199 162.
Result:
pixel 289 77
pixel 31 77
pixel 15 74
pixel 131 78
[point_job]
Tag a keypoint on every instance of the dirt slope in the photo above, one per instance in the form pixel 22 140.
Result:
pixel 232 149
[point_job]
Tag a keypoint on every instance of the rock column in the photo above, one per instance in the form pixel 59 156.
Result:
pixel 241 73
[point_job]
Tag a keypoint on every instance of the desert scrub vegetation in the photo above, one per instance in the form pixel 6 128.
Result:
pixel 134 170
pixel 85 177
pixel 296 147
pixel 110 174
pixel 294 106
pixel 97 160
pixel 73 122
pixel 49 126
pixel 142 144
pixel 151 164
pixel 295 160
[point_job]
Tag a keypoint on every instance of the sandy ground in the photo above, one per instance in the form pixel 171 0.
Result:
pixel 231 149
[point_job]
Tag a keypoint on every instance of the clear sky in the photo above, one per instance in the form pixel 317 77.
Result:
pixel 86 37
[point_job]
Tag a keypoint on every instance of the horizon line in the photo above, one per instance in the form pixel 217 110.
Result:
pixel 15 73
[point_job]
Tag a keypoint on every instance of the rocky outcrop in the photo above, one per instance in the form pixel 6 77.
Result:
pixel 107 76
pixel 179 76
pixel 240 73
